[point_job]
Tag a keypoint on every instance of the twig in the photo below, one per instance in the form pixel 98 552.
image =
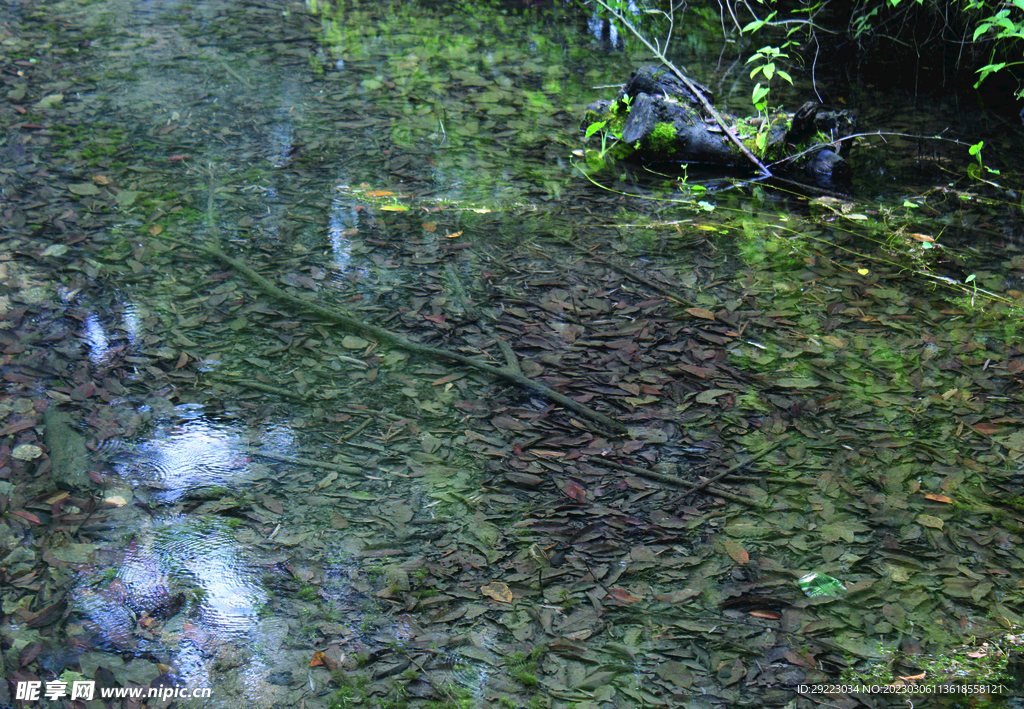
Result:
pixel 673 480
pixel 691 487
pixel 737 466
pixel 336 467
pixel 642 472
pixel 356 431
pixel 733 497
pixel 238 77
pixel 260 386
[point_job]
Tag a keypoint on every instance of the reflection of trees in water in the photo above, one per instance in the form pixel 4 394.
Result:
pixel 180 457
pixel 186 592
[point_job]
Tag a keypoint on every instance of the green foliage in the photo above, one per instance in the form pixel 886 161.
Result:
pixel 766 57
pixel 767 63
pixel 524 667
pixel 351 690
pixel 980 662
pixel 1008 31
pixel 567 600
pixel 610 129
pixel 663 138
pixel 995 29
pixel 977 172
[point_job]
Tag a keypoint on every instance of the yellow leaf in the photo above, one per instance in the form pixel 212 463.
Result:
pixel 863 271
pixel 378 193
pixel 498 591
pixel 453 236
pixel 929 521
pixel 701 313
pixel 923 237
pixel 394 208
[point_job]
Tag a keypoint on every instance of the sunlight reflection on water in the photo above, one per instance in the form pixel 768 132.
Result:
pixel 190 571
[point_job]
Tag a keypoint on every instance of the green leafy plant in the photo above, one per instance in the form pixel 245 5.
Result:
pixel 973 281
pixel 766 66
pixel 1007 29
pixel 976 171
pixel 607 135
pixel 610 131
pixel 766 57
pixel 975 151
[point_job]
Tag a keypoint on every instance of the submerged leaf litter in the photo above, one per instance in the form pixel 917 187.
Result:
pixel 238 495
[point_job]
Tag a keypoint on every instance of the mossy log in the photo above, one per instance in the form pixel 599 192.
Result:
pixel 656 119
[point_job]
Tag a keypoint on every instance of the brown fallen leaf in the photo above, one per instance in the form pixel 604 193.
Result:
pixel 575 491
pixel 622 595
pixel 46 615
pixel 26 516
pixel 736 551
pixel 801 659
pixel 29 653
pixel 701 313
pixel 271 504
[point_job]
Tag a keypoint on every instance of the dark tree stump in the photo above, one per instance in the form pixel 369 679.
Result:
pixel 657 119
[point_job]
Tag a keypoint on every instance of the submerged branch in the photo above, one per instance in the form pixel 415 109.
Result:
pixel 510 373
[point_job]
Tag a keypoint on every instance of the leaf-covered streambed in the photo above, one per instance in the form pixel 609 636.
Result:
pixel 206 485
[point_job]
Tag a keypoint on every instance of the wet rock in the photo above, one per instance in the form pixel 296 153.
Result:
pixel 284 678
pixel 67 450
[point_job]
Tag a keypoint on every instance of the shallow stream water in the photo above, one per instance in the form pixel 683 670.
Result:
pixel 296 515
